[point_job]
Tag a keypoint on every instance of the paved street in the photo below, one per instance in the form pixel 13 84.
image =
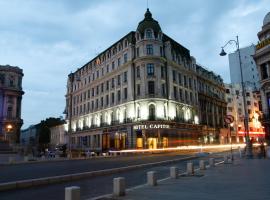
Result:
pixel 38 170
pixel 246 179
pixel 95 186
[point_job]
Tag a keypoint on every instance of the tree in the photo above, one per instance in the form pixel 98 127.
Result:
pixel 44 129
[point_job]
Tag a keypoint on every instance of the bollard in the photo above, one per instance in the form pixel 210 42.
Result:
pixel 212 162
pixel 72 193
pixel 119 186
pixel 225 159
pixel 202 165
pixel 190 168
pixel 174 172
pixel 151 178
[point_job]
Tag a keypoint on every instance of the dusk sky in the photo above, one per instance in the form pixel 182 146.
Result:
pixel 49 39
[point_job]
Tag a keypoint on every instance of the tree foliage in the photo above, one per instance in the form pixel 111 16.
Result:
pixel 44 129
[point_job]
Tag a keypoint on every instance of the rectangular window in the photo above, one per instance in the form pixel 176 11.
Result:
pixel 96 103
pixel 180 94
pixel 97 74
pixel 92 105
pixel 125 93
pixel 138 51
pixel 151 87
pixel 107 68
pixel 175 92
pixel 101 101
pixel 112 82
pixel 150 69
pixel 93 92
pixel 119 80
pixel 118 95
pixel 125 77
pixel 186 96
pixel 138 72
pixel 102 87
pixel 180 79
pixel 107 99
pixel 138 89
pixel 125 57
pixel 161 51
pixel 162 72
pixel 113 65
pixel 149 49
pixel 97 90
pixel 112 98
pixel 119 62
pixel 174 75
pixel 191 97
pixel 107 85
pixel 185 81
pixel 163 90
pixel 190 83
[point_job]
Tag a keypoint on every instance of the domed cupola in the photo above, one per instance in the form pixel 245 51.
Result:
pixel 266 19
pixel 148 23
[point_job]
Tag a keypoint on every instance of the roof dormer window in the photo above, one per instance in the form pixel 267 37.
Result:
pixel 148 33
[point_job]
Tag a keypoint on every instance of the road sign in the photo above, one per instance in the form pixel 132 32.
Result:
pixel 228 119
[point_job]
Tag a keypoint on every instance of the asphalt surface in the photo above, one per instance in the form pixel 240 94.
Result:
pixel 38 170
pixel 95 186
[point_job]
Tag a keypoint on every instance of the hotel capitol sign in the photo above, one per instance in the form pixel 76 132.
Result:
pixel 151 126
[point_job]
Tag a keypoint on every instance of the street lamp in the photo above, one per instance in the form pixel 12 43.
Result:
pixel 249 153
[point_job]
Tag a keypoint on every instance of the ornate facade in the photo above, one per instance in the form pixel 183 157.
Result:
pixel 262 58
pixel 212 103
pixel 139 93
pixel 10 103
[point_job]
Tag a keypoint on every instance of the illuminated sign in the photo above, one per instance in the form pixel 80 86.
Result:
pixel 150 126
pixel 263 44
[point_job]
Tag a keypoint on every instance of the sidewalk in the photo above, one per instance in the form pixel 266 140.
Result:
pixel 245 179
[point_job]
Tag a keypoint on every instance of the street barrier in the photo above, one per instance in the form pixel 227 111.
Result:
pixel 152 178
pixel 190 168
pixel 72 193
pixel 174 172
pixel 119 186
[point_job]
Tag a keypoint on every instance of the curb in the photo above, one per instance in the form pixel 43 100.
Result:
pixel 66 178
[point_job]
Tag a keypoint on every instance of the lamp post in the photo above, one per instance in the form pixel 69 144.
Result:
pixel 249 153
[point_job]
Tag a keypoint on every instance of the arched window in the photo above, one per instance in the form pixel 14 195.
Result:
pixel 148 33
pixel 152 112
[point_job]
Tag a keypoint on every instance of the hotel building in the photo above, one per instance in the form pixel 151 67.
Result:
pixel 141 92
pixel 262 58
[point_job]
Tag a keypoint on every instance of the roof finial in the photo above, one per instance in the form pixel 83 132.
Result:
pixel 147 4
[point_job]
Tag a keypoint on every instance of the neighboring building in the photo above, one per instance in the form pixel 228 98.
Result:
pixel 212 103
pixel 10 103
pixel 141 92
pixel 29 136
pixel 235 108
pixel 262 58
pixel 58 135
pixel 249 69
